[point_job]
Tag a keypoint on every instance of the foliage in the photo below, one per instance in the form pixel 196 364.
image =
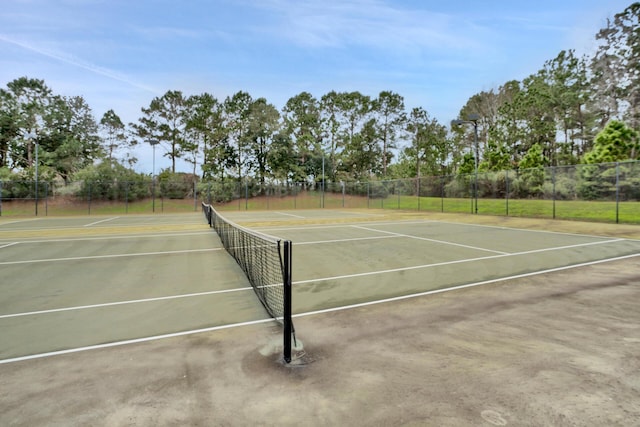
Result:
pixel 108 181
pixel 164 122
pixel 113 135
pixel 614 143
pixel 530 180
pixel 616 81
pixel 496 158
pixel 176 185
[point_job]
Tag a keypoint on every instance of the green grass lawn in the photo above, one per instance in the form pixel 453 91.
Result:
pixel 602 211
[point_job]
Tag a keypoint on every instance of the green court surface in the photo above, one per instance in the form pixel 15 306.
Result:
pixel 79 282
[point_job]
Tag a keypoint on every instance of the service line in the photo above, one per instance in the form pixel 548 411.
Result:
pixel 116 303
pixel 109 256
pixel 101 221
pixel 288 214
pixel 430 240
pixel 460 261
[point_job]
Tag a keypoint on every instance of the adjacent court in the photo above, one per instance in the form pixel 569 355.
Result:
pixel 73 283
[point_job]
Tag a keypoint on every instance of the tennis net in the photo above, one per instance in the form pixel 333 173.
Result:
pixel 266 261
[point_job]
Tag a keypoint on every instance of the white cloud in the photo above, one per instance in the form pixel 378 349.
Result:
pixel 71 60
pixel 369 23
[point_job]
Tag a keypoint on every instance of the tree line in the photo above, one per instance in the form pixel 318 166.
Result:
pixel 573 110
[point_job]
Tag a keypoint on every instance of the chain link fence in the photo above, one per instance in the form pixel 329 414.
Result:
pixel 604 192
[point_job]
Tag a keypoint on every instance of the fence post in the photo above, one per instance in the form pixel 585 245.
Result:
pixel 442 194
pixel 89 199
pixel 553 194
pixel 472 184
pixel 36 189
pixel 617 192
pixel 506 183
pixel 368 195
pixel 265 190
pixel 46 198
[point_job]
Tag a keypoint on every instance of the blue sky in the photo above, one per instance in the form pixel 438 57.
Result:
pixel 120 54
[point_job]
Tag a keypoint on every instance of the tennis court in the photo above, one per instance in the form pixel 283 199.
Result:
pixel 80 284
pixel 87 281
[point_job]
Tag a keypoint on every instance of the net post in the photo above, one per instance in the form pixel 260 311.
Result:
pixel 287 321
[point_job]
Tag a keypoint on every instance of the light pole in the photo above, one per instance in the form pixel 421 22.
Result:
pixel 153 143
pixel 472 119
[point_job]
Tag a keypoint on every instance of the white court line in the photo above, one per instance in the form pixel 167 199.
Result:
pixel 354 239
pixel 109 256
pixel 133 341
pixel 78 227
pixel 468 285
pixel 460 261
pixel 526 230
pixel 9 244
pixel 101 221
pixel 430 221
pixel 343 225
pixel 132 236
pixel 430 240
pixel 310 313
pixel 295 283
pixel 111 304
pixel 288 214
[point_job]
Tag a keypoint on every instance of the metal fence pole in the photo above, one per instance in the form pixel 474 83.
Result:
pixel 506 183
pixel 617 192
pixel 418 191
pixel 442 193
pixel 553 194
pixel 472 184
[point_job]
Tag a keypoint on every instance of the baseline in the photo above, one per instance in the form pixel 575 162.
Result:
pixel 110 256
